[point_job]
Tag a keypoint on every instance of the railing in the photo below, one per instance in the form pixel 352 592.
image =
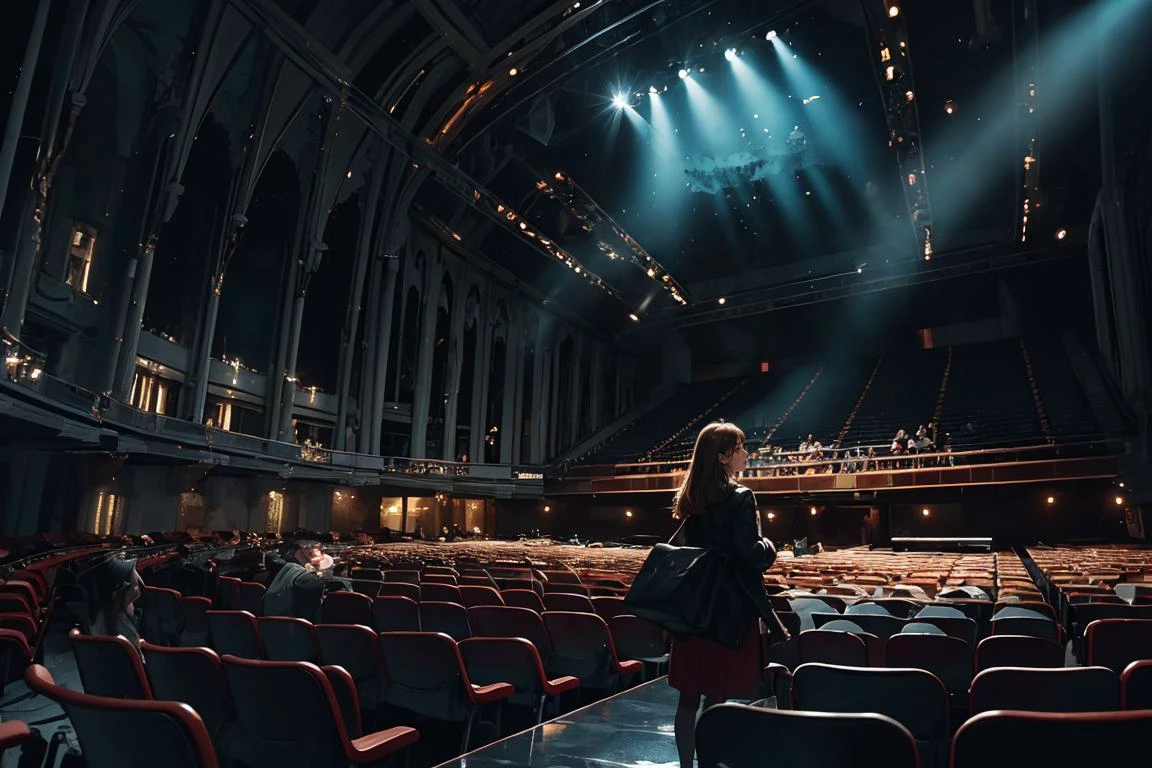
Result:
pixel 875 458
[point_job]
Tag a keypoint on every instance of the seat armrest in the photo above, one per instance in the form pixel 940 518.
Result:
pixel 629 667
pixel 561 685
pixel 485 694
pixel 377 746
pixel 12 733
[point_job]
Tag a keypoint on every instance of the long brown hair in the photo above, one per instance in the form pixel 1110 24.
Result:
pixel 707 480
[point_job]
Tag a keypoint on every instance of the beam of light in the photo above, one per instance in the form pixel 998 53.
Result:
pixel 834 125
pixel 1066 81
pixel 708 114
pixel 619 101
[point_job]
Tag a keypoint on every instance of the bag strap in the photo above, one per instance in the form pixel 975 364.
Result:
pixel 678 530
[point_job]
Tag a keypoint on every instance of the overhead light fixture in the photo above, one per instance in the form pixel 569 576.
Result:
pixel 771 35
pixel 653 90
pixel 925 511
pixel 619 101
pixel 513 72
pixel 949 107
pixel 893 11
pixel 1051 499
pixel 1119 501
pixel 1061 233
pixel 731 54
pixel 683 74
pixel 632 316
pixel 812 511
pixel 721 301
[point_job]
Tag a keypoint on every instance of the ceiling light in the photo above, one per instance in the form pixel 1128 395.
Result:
pixel 949 107
pixel 1061 233
pixel 771 35
pixel 513 72
pixel 632 316
pixel 619 101
pixel 812 511
pixel 721 301
pixel 893 11
pixel 771 515
pixel 627 513
pixel 1051 499
pixel 1119 500
pixel 731 54
pixel 683 74
pixel 925 511
pixel 653 90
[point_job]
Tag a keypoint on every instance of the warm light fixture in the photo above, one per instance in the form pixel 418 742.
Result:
pixel 721 301
pixel 632 316
pixel 1061 233
pixel 1051 499
pixel 513 72
pixel 547 508
pixel 771 515
pixel 812 510
pixel 627 513
pixel 925 511
pixel 1119 500
pixel 893 11
pixel 949 107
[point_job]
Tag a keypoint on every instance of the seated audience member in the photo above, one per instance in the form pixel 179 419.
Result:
pixel 299 570
pixel 117 588
pixel 899 443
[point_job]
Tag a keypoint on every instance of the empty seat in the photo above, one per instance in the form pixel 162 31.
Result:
pixel 832 647
pixel 939 611
pixel 583 647
pixel 948 658
pixel 912 697
pixel 426 675
pixel 514 661
pixel 640 640
pixel 15 656
pixel 867 608
pixel 193 676
pixel 1072 689
pixel 227 587
pixel 392 613
pixel 1018 651
pixel 235 633
pixel 290 716
pixel 1116 643
pixel 607 607
pixel 288 639
pixel 195 630
pixel 130 733
pixel 1006 739
pixel 737 735
pixel 449 618
pixel 523 598
pixel 357 649
pixel 346 608
pixel 1034 626
pixel 398 589
pixel 476 595
pixel 249 596
pixel 506 621
pixel 562 601
pixel 109 666
pixel 403 576
pixel 440 593
pixel 1136 685
pixel 160 615
pixel 427 578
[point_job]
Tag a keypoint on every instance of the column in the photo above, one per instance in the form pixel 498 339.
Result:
pixel 512 382
pixel 455 364
pixel 430 297
pixel 480 382
pixel 371 419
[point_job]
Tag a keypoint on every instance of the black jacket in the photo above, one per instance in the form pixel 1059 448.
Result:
pixel 733 526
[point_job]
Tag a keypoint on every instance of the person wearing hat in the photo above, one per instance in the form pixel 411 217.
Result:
pixel 118 587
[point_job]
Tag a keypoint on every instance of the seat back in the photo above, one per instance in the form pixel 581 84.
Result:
pixel 505 660
pixel 563 601
pixel 227 587
pixel 1136 685
pixel 425 674
pixel 109 666
pixel 193 676
pixel 249 596
pixel 581 647
pixel 398 589
pixel 638 639
pixel 1029 626
pixel 1116 643
pixel 872 609
pixel 1071 689
pixel 523 598
pixel 288 639
pixel 832 647
pixel 288 713
pixel 440 593
pixel 449 618
pixel 736 735
pixel 947 658
pixel 1007 739
pixel 15 656
pixel 130 733
pixel 346 608
pixel 161 617
pixel 1017 651
pixel 192 611
pixel 608 607
pixel 473 596
pixel 393 613
pixel 357 649
pixel 402 576
pixel 506 621
pixel 234 633
pixel 912 697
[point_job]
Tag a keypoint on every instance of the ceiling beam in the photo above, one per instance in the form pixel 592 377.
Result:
pixel 463 38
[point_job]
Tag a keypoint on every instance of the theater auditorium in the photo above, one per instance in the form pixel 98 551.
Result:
pixel 640 383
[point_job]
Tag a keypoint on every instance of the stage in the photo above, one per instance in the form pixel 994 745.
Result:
pixel 632 728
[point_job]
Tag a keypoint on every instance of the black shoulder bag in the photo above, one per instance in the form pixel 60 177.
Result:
pixel 676 587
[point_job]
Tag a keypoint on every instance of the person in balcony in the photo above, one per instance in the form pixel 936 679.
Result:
pixel 117 588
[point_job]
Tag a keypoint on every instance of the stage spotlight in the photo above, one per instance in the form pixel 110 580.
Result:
pixel 771 35
pixel 684 74
pixel 949 107
pixel 700 70
pixel 653 90
pixel 731 54
pixel 1061 233
pixel 619 101
pixel 721 301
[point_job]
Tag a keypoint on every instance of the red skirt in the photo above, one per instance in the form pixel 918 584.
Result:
pixel 700 666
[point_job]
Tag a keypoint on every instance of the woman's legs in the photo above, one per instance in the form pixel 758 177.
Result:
pixel 684 726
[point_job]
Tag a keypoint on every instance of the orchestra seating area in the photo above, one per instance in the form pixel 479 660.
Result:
pixel 444 648
pixel 1005 393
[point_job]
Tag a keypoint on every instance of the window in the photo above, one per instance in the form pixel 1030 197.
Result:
pixel 108 515
pixel 391 512
pixel 151 392
pixel 80 249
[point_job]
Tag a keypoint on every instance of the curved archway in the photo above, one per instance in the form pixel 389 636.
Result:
pixel 442 354
pixel 494 436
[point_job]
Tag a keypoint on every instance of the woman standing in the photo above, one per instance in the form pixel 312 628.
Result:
pixel 721 514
